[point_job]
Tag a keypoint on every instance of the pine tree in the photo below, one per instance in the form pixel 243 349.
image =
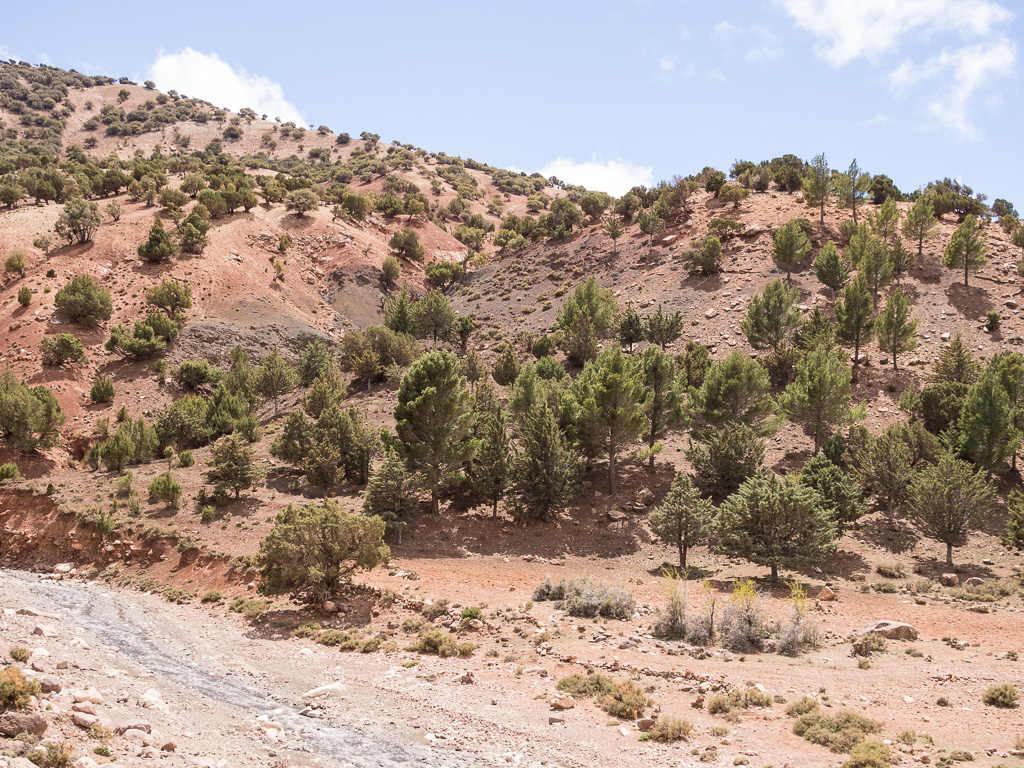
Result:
pixel 838 492
pixel 901 259
pixel 664 405
pixel 884 465
pixel 1009 367
pixel 313 361
pixel 398 312
pixel 492 466
pixel 506 367
pixel 920 223
pixel 159 246
pixel 790 246
pixel 683 519
pixel 876 268
pixel 772 316
pixel 662 329
pixel 614 229
pixel 819 398
pixel 895 330
pixel 777 523
pixel 546 472
pixel 117 451
pixel 327 390
pixel 956 364
pixel 948 500
pixel 885 223
pixel 966 248
pixel 233 464
pixel 631 328
pixel 1014 537
pixel 433 422
pixel 608 402
pixel 734 390
pixel 433 316
pixel 274 377
pixel 1017 237
pixel 987 435
pixel 854 187
pixel 854 323
pixel 831 268
pixel 818 184
pixel 391 494
pixel 650 224
pixel 725 457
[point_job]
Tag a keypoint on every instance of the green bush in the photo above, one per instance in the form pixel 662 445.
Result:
pixel 335 638
pixel 9 471
pixel 193 374
pixel 213 596
pixel 619 698
pixel 586 599
pixel 1003 696
pixel 186 458
pixel 993 320
pixel 869 754
pixel 370 645
pixel 83 302
pixel 805 705
pixel 24 296
pixel 840 733
pixel 60 349
pixel 19 654
pixel 165 488
pixel 102 390
pixel 723 703
pixel 16 689
pixel 435 609
pixel 669 729
pixel 434 641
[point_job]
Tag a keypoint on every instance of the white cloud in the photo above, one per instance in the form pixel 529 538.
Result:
pixel 766 45
pixel 852 29
pixel 878 119
pixel 206 76
pixel 725 30
pixel 616 177
pixel 667 63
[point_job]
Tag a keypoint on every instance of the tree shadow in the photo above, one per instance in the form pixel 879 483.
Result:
pixel 699 281
pixel 971 302
pixel 896 538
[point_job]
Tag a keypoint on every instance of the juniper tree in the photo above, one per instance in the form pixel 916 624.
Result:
pixel 631 328
pixel 683 519
pixel 884 465
pixel 818 399
pixel 433 422
pixel 734 390
pixel 966 248
pixel 920 223
pixel 895 331
pixel 233 464
pixel 854 322
pixel 776 523
pixel 614 229
pixel 948 500
pixel 391 494
pixel 546 471
pixel 724 458
pixel 663 410
pixel 838 492
pixel 790 246
pixel 274 377
pixel 506 367
pixel 313 361
pixel 662 329
pixel 159 247
pixel 987 435
pixel 831 268
pixel 818 184
pixel 492 465
pixel 607 403
pixel 1009 367
pixel 1017 237
pixel 433 316
pixel 772 316
pixel 171 296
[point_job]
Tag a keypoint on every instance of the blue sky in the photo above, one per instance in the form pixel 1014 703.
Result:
pixel 606 94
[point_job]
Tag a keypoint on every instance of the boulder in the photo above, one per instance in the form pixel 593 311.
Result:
pixel 974 581
pixel 323 690
pixel 616 515
pixel 949 580
pixel 562 701
pixel 29 610
pixel 13 723
pixel 646 723
pixel 45 630
pixel 83 719
pixel 135 724
pixel 90 695
pixel 645 496
pixel 826 594
pixel 891 630
pixel 49 684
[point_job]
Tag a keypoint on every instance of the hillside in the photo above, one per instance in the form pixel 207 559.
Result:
pixel 326 283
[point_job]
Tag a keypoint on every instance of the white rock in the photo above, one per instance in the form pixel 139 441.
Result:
pixel 324 690
pixel 89 694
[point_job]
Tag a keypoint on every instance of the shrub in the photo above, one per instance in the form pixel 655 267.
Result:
pixel 891 570
pixel 587 686
pixel 988 591
pixel 840 733
pixel 213 596
pixel 472 612
pixel 186 458
pixel 19 654
pixel 669 729
pixel 993 320
pixel 722 703
pixel 193 374
pixel 165 488
pixel 867 644
pixel 52 754
pixel 24 296
pixel 16 261
pixel 626 702
pixel 371 645
pixel 336 638
pixel 16 689
pixel 9 471
pixel 102 390
pixel 407 243
pixel 743 626
pixel 585 599
pixel 390 271
pixel 869 754
pixel 805 705
pixel 1003 696
pixel 706 257
pixel 434 641
pixel 124 485
pixel 60 349
pixel 435 609
pixel 83 302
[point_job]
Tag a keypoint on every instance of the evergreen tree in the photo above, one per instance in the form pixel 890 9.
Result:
pixel 398 312
pixel 901 259
pixel 664 404
pixel 683 519
pixel 838 492
pixel 831 268
pixel 233 464
pixel 987 435
pixel 772 316
pixel 920 223
pixel 119 449
pixel 391 494
pixel 895 330
pixel 886 221
pixel 734 390
pixel 956 364
pixel 608 401
pixel 171 296
pixel 726 457
pixel 884 465
pixel 313 361
pixel 545 472
pixel 818 399
pixel 876 268
pixel 854 186
pixel 818 184
pixel 1017 238
pixel 433 317
pixel 663 329
pixel 1014 537
pixel 506 368
pixel 591 300
pixel 854 323
pixel 326 390
pixel 1009 368
pixel 434 421
pixel 650 224
pixel 790 245
pixel 159 247
pixel 966 249
pixel 631 328
pixel 274 377
pixel 777 523
pixel 614 229
pixel 492 466
pixel 948 500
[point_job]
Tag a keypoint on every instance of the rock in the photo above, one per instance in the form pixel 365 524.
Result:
pixel 49 684
pixel 1010 304
pixel 698 703
pixel 64 568
pixel 84 706
pixel 169 746
pixel 562 701
pixel 974 581
pixel 36 612
pixel 536 671
pixel 136 736
pixel 892 630
pixel 555 720
pixel 13 723
pixel 323 690
pixel 768 645
pixel 152 699
pixel 826 594
pixel 85 762
pixel 949 580
pixel 89 694
pixel 84 720
pixel 616 515
pixel 136 724
pixel 467 678
pixel 45 630
pixel 645 496
pixel 19 762
pixel 149 752
pixel 645 724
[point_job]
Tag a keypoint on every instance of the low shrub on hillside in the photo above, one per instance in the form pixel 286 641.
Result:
pixel 1003 696
pixel 583 598
pixel 16 689
pixel 840 733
